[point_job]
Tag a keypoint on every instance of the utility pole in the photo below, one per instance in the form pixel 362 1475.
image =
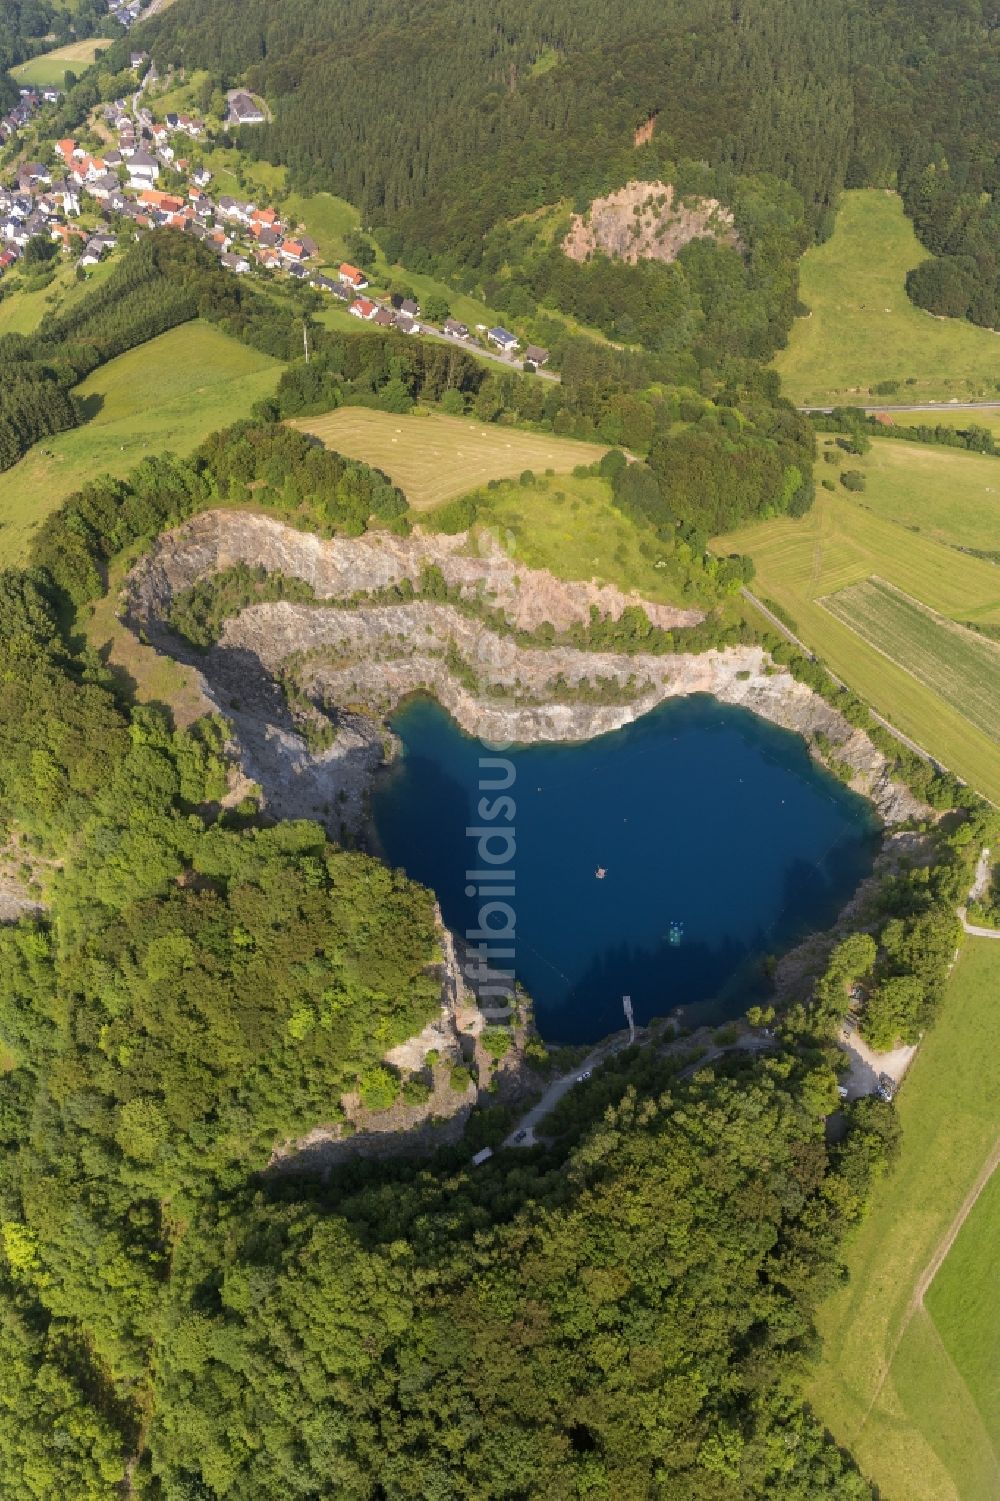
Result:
pixel 305 338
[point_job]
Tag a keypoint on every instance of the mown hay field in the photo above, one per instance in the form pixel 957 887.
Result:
pixel 839 543
pixel 165 396
pixel 862 329
pixel 434 458
pixel 910 1387
pixel 963 667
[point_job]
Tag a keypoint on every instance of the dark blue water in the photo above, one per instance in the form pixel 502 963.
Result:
pixel 715 829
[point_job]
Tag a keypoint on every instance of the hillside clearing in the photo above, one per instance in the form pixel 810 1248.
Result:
pixel 568 525
pixel 839 543
pixel 959 665
pixel 902 1405
pixel 165 396
pixel 862 329
pixel 48 69
pixel 434 458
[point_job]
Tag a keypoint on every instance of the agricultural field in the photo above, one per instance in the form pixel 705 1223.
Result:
pixel 167 395
pixel 48 69
pixel 862 329
pixel 907 1378
pixel 943 493
pixel 840 543
pixel 434 458
pixel 964 668
pixel 949 416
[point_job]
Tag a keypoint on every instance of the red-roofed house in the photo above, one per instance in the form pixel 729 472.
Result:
pixel 363 308
pixel 351 274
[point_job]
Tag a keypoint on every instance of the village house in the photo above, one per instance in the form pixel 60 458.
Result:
pixel 244 111
pixel 143 169
pixel 504 340
pixel 536 355
pixel 456 330
pixel 353 276
pixel 384 318
pixel 363 308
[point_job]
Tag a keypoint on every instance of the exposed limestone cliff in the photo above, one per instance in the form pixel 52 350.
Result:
pixel 359 662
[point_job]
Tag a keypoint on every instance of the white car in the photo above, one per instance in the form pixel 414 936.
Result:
pixel 582 1078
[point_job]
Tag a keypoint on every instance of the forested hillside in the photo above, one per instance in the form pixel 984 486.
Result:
pixel 443 120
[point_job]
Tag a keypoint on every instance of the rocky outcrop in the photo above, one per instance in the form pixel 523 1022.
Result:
pixel 646 221
pixel 342 566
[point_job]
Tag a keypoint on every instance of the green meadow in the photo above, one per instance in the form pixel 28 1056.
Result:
pixel 48 70
pixel 840 543
pixel 167 395
pixel 909 1385
pixel 861 328
pixel 944 494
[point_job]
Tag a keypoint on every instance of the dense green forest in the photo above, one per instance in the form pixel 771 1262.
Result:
pixel 446 122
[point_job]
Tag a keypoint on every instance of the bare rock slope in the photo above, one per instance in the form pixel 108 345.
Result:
pixel 356 663
pixel 647 221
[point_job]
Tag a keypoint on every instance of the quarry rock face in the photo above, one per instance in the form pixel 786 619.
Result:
pixel 356 661
pixel 647 221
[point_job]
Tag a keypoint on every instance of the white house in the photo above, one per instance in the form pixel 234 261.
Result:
pixel 505 341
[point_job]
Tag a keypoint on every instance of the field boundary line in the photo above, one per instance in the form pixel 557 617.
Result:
pixel 940 621
pixel 930 1271
pixel 897 734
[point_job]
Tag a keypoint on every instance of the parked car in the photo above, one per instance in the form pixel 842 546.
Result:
pixel 886 1088
pixel 582 1078
pixel 842 1091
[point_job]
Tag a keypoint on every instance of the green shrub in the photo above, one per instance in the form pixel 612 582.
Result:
pixel 496 1041
pixel 378 1088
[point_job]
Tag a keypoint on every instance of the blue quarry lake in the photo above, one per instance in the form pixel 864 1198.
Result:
pixel 720 841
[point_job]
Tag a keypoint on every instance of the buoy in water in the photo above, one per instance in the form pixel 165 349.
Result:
pixel 600 872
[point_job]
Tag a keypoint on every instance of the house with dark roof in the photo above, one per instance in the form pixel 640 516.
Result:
pixel 505 341
pixel 536 355
pixel 244 111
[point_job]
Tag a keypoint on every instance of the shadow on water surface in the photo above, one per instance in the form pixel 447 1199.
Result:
pixel 712 827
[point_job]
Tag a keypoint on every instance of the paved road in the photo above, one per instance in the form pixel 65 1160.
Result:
pixel 749 1042
pixel 517 366
pixel 554 1093
pixel 924 406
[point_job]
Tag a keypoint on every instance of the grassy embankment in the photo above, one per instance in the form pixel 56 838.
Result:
pixel 48 69
pixel 845 540
pixel 910 1384
pixel 567 524
pixel 22 309
pixel 862 328
pixel 166 396
pixel 435 458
